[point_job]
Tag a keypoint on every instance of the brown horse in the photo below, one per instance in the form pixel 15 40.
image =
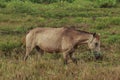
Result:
pixel 62 40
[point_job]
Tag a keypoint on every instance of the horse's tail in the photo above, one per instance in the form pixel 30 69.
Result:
pixel 23 41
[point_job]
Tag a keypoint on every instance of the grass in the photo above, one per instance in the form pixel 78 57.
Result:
pixel 15 21
pixel 43 70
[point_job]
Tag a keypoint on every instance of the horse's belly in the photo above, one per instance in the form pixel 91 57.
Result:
pixel 50 48
pixel 49 45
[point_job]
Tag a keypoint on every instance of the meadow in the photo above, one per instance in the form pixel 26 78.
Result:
pixel 18 17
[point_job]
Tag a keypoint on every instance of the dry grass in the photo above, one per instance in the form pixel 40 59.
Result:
pixel 52 69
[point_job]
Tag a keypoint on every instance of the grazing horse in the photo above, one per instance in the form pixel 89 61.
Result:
pixel 64 40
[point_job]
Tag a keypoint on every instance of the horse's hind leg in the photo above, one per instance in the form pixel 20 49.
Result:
pixel 28 50
pixel 29 46
pixel 65 57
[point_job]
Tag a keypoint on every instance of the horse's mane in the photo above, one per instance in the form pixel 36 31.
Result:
pixel 81 31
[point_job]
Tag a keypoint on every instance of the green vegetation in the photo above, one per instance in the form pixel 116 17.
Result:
pixel 107 3
pixel 17 17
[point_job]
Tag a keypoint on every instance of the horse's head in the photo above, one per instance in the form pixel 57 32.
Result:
pixel 94 43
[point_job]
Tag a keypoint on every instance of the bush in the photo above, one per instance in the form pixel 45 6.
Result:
pixel 107 3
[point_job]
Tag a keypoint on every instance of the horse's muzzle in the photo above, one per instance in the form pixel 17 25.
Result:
pixel 97 55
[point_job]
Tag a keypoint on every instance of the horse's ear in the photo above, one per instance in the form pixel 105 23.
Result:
pixel 94 34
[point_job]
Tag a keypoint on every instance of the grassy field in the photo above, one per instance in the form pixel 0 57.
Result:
pixel 17 17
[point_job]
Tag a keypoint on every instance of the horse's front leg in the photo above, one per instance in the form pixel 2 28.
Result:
pixel 66 55
pixel 74 60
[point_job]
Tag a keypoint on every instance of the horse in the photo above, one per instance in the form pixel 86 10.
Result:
pixel 60 40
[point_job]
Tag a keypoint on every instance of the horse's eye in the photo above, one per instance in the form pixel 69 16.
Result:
pixel 96 44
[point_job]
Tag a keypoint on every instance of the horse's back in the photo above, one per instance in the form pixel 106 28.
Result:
pixel 49 34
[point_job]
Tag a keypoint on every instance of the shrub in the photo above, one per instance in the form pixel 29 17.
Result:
pixel 106 3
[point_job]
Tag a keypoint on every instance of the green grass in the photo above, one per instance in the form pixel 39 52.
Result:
pixel 16 18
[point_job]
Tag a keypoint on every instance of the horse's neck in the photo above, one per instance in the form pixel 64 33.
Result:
pixel 83 39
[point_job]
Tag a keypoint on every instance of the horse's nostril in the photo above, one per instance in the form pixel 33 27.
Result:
pixel 98 55
pixel 96 44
